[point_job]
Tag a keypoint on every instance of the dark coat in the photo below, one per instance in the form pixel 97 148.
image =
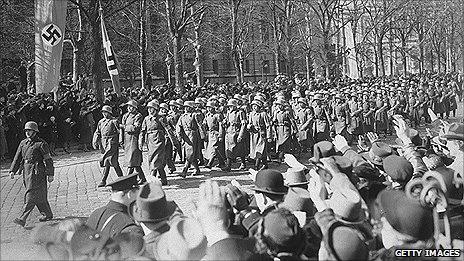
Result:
pixel 154 134
pixel 130 130
pixel 120 222
pixel 34 155
pixel 106 137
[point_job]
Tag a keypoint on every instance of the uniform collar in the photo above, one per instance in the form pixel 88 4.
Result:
pixel 117 206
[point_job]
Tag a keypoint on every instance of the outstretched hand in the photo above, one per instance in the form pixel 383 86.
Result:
pixel 339 142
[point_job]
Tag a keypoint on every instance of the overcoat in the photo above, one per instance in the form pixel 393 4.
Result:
pixel 130 130
pixel 235 124
pixel 188 131
pixel 213 126
pixel 154 134
pixel 260 131
pixel 34 155
pixel 106 137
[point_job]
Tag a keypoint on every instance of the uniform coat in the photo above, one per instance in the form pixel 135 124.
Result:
pixel 120 222
pixel 260 131
pixel 304 121
pixel 235 123
pixel 321 125
pixel 130 130
pixel 283 124
pixel 355 112
pixel 34 155
pixel 153 133
pixel 188 131
pixel 213 126
pixel 106 137
pixel 341 117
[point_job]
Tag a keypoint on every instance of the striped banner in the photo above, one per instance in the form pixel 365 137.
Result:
pixel 110 56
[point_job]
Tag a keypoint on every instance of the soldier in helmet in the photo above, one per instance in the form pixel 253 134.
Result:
pixel 153 132
pixel 284 126
pixel 259 127
pixel 171 140
pixel 189 132
pixel 106 138
pixel 130 130
pixel 34 154
pixel 214 129
pixel 235 124
pixel 304 120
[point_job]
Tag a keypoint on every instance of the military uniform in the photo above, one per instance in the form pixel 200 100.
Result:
pixel 188 130
pixel 355 118
pixel 321 125
pixel 284 126
pixel 106 137
pixel 130 130
pixel 114 219
pixel 154 134
pixel 235 124
pixel 214 130
pixel 304 121
pixel 34 155
pixel 259 128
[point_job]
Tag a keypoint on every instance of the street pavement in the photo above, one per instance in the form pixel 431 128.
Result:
pixel 74 194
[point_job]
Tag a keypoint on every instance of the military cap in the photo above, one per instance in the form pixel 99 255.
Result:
pixel 132 103
pixel 190 104
pixel 232 102
pixel 211 104
pixel 124 183
pixel 31 125
pixel 164 106
pixel 173 103
pixel 107 108
pixel 152 104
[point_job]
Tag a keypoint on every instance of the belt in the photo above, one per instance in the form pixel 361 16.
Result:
pixel 109 136
pixel 26 161
pixel 153 131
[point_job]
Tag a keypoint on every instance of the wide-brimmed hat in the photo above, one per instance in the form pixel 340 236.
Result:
pixel 347 205
pixel 184 241
pixel 295 177
pixel 132 103
pixel 455 132
pixel 151 204
pixel 323 149
pixel 270 181
pixel 398 168
pixel 107 108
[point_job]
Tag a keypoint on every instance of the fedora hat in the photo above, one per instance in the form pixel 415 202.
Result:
pixel 323 149
pixel 270 181
pixel 184 241
pixel 346 204
pixel 378 152
pixel 299 199
pixel 295 177
pixel 151 204
pixel 107 108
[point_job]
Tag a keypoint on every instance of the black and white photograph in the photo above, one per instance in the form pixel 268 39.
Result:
pixel 270 130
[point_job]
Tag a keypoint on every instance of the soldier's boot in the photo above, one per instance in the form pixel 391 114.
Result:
pixel 221 162
pixel 106 172
pixel 118 170
pixel 171 166
pixel 281 157
pixel 162 175
pixel 242 164
pixel 197 168
pixel 185 169
pixel 210 163
pixel 142 178
pixel 227 167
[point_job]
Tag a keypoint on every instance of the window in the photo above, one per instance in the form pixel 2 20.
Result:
pixel 266 68
pixel 247 66
pixel 215 67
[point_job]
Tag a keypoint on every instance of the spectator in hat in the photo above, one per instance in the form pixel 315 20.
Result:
pixel 154 213
pixel 114 218
pixel 106 138
pixel 295 178
pixel 131 125
pixel 406 224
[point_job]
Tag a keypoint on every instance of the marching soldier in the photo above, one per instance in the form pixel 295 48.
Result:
pixel 215 136
pixel 173 117
pixel 130 130
pixel 153 133
pixel 170 137
pixel 285 127
pixel 189 132
pixel 340 119
pixel 200 117
pixel 355 110
pixel 304 120
pixel 33 155
pixel 106 138
pixel 235 124
pixel 381 117
pixel 322 121
pixel 259 128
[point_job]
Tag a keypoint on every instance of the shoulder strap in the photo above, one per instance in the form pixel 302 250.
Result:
pixel 108 221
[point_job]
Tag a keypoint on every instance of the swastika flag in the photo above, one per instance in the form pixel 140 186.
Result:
pixel 50 19
pixel 110 56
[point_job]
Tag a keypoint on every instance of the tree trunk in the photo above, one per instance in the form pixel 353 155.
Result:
pixel 276 47
pixel 376 60
pixel 288 37
pixel 421 49
pixel 234 6
pixel 198 64
pixel 431 59
pixel 308 66
pixel 381 59
pixel 143 44
pixel 462 35
pixel 439 58
pixel 403 55
pixel 327 53
pixel 96 52
pixel 178 64
pixel 242 76
pixel 390 42
pixel 78 47
pixel 149 48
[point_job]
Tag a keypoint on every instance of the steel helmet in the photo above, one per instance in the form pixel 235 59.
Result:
pixel 232 102
pixel 107 108
pixel 164 106
pixel 211 104
pixel 153 104
pixel 31 125
pixel 190 104
pixel 173 103
pixel 132 103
